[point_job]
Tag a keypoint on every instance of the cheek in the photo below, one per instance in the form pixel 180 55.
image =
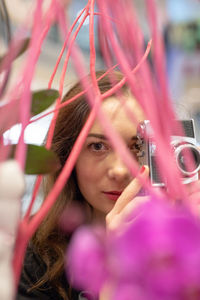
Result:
pixel 89 177
pixel 88 169
pixel 85 176
pixel 86 183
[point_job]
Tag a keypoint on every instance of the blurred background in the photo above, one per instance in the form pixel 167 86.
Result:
pixel 180 24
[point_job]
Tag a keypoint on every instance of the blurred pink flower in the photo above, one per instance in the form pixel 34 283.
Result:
pixel 156 257
pixel 72 217
pixel 86 259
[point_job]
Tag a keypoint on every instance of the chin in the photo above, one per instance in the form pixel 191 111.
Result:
pixel 100 215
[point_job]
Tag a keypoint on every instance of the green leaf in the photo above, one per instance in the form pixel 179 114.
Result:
pixel 23 47
pixel 39 160
pixel 42 99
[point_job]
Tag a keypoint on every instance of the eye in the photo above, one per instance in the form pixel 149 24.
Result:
pixel 98 147
pixel 135 148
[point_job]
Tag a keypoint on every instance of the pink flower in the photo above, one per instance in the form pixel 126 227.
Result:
pixel 85 259
pixel 156 257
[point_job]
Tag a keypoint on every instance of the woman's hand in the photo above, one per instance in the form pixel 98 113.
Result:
pixel 127 202
pixel 125 205
pixel 193 190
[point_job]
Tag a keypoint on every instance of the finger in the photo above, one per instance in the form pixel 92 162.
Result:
pixel 130 191
pixel 194 202
pixel 193 187
pixel 131 209
pixel 128 214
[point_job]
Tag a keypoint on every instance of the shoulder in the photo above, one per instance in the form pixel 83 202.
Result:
pixel 33 269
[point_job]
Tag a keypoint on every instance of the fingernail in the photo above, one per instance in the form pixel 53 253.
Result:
pixel 142 169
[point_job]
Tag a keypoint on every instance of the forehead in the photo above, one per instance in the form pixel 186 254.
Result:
pixel 117 113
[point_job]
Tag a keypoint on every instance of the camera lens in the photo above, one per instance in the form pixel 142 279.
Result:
pixel 188 159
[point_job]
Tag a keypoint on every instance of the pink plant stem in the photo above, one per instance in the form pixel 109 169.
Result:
pixel 122 82
pixel 39 178
pixel 106 94
pixel 147 98
pixel 120 56
pixel 106 16
pixel 12 52
pixel 70 100
pixel 146 76
pixel 168 115
pixel 64 47
pixel 51 198
pixel 52 126
pixel 160 62
pixel 158 51
pixel 104 46
pixel 35 47
pixel 26 230
pixel 61 17
pixel 151 109
pixel 21 240
pixel 116 141
pixel 69 50
pixel 136 37
pixel 25 100
pixel 92 47
pixel 160 67
pixel 93 56
pixel 33 56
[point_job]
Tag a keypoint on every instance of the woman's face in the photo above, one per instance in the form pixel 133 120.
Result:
pixel 101 174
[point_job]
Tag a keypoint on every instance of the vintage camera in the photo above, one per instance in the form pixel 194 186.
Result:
pixel 181 145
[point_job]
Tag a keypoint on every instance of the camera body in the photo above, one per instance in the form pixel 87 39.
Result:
pixel 181 146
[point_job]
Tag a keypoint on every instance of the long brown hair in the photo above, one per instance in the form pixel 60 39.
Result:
pixel 49 241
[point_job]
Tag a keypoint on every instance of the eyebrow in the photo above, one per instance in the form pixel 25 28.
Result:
pixel 97 135
pixel 103 137
pixel 134 138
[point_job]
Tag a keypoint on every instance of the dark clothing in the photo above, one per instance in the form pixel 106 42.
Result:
pixel 33 269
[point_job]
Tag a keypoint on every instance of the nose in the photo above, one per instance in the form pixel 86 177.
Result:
pixel 118 171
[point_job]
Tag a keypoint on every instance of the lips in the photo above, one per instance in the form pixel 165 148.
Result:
pixel 113 195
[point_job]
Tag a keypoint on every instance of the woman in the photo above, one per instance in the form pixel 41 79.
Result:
pixel 99 181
